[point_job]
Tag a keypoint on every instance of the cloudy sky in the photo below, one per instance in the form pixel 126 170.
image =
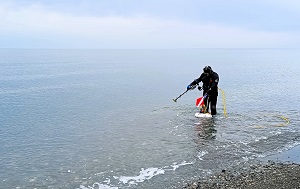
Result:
pixel 149 24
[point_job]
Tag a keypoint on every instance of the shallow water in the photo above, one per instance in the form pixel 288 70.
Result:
pixel 106 119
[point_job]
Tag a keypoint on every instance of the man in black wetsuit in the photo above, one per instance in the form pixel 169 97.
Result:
pixel 210 80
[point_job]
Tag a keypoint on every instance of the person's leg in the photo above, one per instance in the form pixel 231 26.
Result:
pixel 213 105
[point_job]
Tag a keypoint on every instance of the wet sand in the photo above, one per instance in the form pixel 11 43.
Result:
pixel 280 171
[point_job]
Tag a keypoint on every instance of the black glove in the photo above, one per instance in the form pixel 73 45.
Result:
pixel 190 87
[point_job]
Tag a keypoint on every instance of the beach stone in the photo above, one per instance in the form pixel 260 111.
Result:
pixel 270 176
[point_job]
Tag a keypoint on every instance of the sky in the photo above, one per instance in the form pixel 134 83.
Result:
pixel 149 24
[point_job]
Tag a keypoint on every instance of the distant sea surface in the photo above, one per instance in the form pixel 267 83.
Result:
pixel 87 119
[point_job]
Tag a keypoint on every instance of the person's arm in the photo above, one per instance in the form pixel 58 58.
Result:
pixel 198 80
pixel 193 84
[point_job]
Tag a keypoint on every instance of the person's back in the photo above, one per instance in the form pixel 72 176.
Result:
pixel 213 92
pixel 214 80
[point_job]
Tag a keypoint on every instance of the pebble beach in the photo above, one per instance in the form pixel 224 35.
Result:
pixel 277 171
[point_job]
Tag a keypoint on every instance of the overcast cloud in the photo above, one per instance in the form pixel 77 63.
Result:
pixel 149 24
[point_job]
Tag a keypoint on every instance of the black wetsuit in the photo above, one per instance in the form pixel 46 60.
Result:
pixel 209 82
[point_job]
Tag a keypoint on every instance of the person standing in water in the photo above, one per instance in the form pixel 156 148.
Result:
pixel 210 80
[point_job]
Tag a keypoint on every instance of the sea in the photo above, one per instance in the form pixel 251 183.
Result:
pixel 106 119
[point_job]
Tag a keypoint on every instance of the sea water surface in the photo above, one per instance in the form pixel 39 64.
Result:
pixel 87 119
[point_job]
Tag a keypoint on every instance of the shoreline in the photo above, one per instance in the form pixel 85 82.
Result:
pixel 291 155
pixel 275 171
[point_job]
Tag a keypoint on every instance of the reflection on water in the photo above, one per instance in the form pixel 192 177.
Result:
pixel 205 130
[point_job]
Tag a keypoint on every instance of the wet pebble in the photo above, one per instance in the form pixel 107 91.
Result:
pixel 269 176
